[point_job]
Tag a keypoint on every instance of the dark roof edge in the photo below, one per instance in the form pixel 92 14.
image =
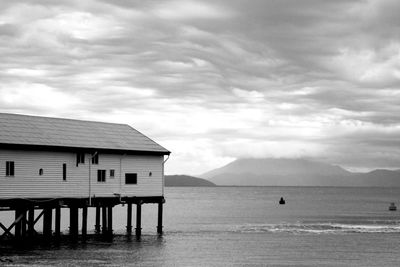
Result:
pixel 79 149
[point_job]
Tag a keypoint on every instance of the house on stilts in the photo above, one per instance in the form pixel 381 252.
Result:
pixel 47 164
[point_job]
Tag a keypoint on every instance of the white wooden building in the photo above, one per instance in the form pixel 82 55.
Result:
pixel 42 158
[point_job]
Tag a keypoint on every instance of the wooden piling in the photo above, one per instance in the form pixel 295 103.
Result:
pixel 138 219
pixel 73 222
pixel 47 222
pixel 97 226
pixel 17 227
pixel 84 221
pixel 129 219
pixel 31 222
pixel 110 221
pixel 23 223
pixel 57 222
pixel 104 221
pixel 160 218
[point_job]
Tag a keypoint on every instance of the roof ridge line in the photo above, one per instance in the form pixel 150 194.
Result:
pixel 59 118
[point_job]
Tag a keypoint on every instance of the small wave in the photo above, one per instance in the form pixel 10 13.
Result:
pixel 320 228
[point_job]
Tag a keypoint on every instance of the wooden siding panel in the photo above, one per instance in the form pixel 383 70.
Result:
pixel 27 183
pixel 146 184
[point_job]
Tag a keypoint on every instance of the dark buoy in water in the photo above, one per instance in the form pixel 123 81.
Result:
pixel 392 207
pixel 282 201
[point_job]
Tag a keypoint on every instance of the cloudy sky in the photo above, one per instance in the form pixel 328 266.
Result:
pixel 213 81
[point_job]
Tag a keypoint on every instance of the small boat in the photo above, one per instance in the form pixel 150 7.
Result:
pixel 282 201
pixel 392 207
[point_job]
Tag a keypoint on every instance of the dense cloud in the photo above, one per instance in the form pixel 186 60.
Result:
pixel 215 80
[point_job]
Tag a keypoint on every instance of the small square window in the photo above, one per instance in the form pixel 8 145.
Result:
pixel 112 173
pixel 130 178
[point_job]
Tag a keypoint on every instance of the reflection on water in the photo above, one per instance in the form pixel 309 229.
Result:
pixel 95 251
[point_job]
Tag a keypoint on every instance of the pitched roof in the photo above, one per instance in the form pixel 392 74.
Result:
pixel 66 133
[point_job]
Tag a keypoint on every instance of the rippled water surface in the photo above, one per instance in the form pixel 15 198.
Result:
pixel 236 226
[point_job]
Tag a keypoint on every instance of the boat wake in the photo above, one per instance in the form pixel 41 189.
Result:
pixel 322 228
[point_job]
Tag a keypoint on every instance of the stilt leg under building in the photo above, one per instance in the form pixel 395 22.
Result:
pixel 31 222
pixel 129 219
pixel 84 221
pixel 57 226
pixel 104 221
pixel 47 222
pixel 17 227
pixel 97 226
pixel 73 222
pixel 23 223
pixel 138 219
pixel 110 221
pixel 160 218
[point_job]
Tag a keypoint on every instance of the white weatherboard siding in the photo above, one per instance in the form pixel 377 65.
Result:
pixel 27 183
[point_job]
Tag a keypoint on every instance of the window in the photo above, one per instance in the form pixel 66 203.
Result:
pixel 95 158
pixel 9 168
pixel 80 158
pixel 130 178
pixel 101 176
pixel 40 171
pixel 64 171
pixel 112 173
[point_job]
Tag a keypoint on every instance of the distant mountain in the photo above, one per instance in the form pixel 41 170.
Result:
pixel 185 180
pixel 379 178
pixel 296 172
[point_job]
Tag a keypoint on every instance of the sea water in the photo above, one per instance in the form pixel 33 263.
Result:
pixel 242 226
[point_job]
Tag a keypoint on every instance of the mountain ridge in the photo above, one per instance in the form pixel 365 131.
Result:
pixel 296 172
pixel 186 180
